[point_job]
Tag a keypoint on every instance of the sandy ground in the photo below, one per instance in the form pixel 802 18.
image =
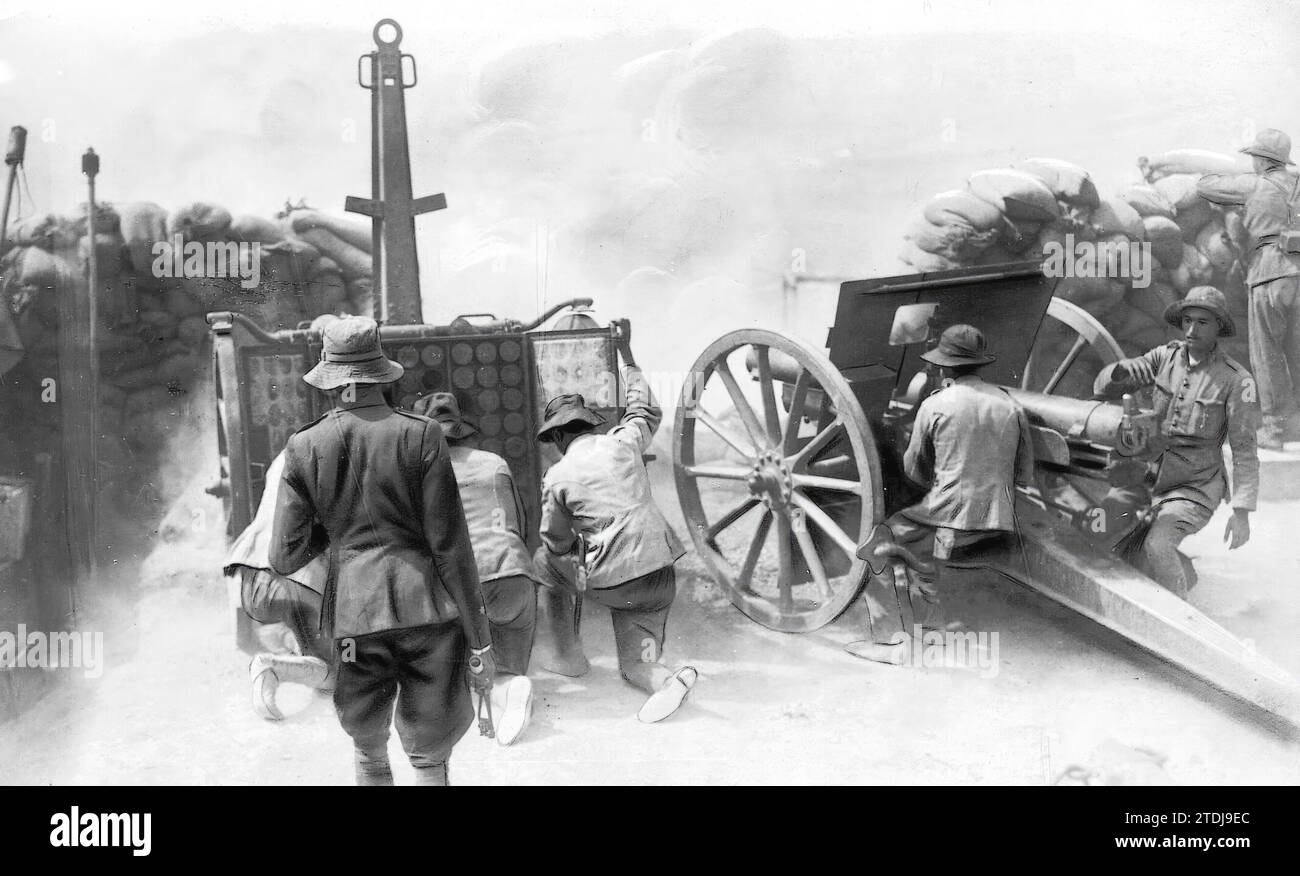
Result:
pixel 172 704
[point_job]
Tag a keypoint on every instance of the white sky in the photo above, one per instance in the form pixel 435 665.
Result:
pixel 798 17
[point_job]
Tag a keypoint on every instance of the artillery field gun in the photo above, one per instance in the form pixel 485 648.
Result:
pixel 782 476
pixel 786 457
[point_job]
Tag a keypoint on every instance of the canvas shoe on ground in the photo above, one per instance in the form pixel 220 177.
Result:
pixel 669 698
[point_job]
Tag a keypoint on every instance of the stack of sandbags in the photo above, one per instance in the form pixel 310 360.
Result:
pixel 998 214
pixel 1215 245
pixel 346 246
pixel 1173 239
pixel 153 330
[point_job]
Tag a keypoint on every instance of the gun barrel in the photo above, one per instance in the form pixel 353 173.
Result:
pixel 1121 428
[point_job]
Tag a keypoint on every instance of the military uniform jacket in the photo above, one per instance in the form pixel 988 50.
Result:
pixel 1266 198
pixel 970 443
pixel 493 513
pixel 600 490
pixel 1198 408
pixel 252 548
pixel 377 485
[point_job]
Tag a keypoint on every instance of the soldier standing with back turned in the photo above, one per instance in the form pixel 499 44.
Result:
pixel 375 486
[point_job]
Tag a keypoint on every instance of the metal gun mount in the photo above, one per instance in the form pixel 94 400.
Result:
pixel 782 476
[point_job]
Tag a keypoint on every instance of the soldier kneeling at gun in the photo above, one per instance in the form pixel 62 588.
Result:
pixel 603 536
pixel 270 598
pixel 495 518
pixel 1202 398
pixel 970 443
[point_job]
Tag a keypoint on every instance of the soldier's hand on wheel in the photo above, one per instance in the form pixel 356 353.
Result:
pixel 1238 531
pixel 482 670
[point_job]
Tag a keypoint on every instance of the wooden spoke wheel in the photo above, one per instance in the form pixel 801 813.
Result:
pixel 778 478
pixel 1069 351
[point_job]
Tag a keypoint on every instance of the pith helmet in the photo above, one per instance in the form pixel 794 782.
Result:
pixel 1206 298
pixel 1270 143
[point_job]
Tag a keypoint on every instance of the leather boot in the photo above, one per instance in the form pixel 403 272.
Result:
pixel 268 671
pixel 557 619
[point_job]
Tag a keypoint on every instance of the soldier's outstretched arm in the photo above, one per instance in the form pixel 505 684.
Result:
pixel 1130 374
pixel 642 417
pixel 447 533
pixel 1226 189
pixel 297 537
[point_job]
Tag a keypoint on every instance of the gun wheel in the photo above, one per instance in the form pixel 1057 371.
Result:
pixel 1070 349
pixel 779 481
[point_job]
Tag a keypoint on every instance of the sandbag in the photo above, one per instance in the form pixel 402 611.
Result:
pixel 960 206
pixel 1017 194
pixel 352 232
pixel 1133 326
pixel 1213 243
pixel 255 229
pixel 1194 161
pixel 956 241
pixel 1067 181
pixel 1120 258
pixel 1147 200
pixel 325 292
pixel 106 219
pixel 911 254
pixel 1017 236
pixel 1192 219
pixel 1178 190
pixel 1152 300
pixel 1236 230
pixel 1195 270
pixel 361 295
pixel 1166 240
pixel 997 255
pixel 1050 237
pixel 1094 294
pixel 42 269
pixel 1114 216
pixel 199 221
pixel 293 258
pixel 142 225
pixel 108 253
pixel 353 262
pixel 326 265
pixel 46 230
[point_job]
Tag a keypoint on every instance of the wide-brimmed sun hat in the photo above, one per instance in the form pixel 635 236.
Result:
pixel 959 344
pixel 350 353
pixel 565 409
pixel 443 408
